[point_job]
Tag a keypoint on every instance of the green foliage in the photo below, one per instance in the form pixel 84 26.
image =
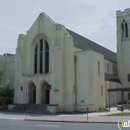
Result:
pixel 6 96
pixel 1 74
pixel 6 92
pixel 120 114
pixel 103 110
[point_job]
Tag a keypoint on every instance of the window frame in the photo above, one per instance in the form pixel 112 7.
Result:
pixel 124 29
pixel 128 77
pixel 99 68
pixel 39 56
pixel 101 90
pixel 108 67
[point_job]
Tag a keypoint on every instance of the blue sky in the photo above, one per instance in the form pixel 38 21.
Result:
pixel 94 19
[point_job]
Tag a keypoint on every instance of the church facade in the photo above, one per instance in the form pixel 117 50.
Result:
pixel 59 68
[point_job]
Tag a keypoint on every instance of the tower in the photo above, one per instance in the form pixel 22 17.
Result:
pixel 123 46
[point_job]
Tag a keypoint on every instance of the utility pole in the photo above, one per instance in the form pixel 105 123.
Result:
pixel 5 71
pixel 25 92
pixel 26 101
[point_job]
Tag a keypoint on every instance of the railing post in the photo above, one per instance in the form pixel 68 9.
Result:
pixel 87 113
pixel 109 100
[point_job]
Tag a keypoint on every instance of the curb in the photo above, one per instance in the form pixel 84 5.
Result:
pixel 96 122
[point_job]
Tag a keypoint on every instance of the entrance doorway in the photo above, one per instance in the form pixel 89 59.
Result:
pixel 47 96
pixel 34 95
pixel 45 92
pixel 31 93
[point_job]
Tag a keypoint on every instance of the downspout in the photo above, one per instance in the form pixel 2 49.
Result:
pixel 75 65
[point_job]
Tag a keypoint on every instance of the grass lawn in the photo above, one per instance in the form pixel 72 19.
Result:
pixel 120 114
pixel 103 110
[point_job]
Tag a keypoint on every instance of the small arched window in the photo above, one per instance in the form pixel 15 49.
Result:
pixel 124 29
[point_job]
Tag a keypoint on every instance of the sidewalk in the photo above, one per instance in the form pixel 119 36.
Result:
pixel 79 119
pixel 82 118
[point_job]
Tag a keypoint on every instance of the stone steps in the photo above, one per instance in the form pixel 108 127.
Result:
pixel 30 108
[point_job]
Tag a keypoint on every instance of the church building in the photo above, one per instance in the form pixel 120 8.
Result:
pixel 67 72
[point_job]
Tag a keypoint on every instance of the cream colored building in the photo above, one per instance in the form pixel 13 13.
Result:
pixel 7 69
pixel 77 70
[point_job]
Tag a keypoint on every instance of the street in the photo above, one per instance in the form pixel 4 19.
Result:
pixel 36 125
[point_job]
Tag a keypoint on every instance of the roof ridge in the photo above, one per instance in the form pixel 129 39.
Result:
pixel 91 41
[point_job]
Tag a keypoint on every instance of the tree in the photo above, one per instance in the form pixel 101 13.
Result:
pixel 1 76
pixel 6 95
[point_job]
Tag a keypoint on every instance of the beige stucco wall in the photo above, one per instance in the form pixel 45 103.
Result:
pixel 89 82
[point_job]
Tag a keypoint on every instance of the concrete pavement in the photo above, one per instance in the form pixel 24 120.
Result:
pixel 35 125
pixel 81 118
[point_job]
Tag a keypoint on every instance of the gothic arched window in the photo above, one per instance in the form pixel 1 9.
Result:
pixel 124 29
pixel 41 57
pixel 35 59
pixel 46 57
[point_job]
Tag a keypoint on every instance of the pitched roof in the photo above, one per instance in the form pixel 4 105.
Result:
pixel 86 44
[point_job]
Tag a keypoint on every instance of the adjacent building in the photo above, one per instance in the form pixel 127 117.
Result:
pixel 7 70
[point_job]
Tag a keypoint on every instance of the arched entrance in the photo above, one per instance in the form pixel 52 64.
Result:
pixel 31 93
pixel 45 92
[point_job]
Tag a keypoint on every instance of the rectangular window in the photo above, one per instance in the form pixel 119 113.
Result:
pixel 128 77
pixel 98 68
pixel 115 69
pixel 101 90
pixel 128 96
pixel 108 67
